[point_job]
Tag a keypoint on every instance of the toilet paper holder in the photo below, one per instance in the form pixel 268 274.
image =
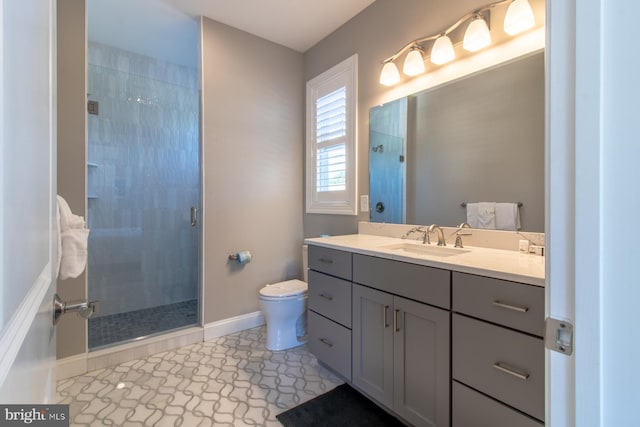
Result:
pixel 241 257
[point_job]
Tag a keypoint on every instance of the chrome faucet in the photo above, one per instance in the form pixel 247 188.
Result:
pixel 441 240
pixel 459 234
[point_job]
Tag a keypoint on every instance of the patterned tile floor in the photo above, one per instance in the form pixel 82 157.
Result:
pixel 116 328
pixel 230 381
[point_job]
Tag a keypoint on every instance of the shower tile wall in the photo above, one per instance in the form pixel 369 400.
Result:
pixel 143 177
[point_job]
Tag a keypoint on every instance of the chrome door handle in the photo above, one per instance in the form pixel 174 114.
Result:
pixel 511 371
pixel 84 309
pixel 396 326
pixel 194 216
pixel 518 308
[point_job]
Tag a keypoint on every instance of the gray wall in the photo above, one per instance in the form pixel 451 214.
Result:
pixel 72 330
pixel 253 112
pixel 375 34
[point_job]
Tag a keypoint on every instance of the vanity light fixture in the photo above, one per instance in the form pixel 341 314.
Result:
pixel 518 18
pixel 389 74
pixel 414 62
pixel 477 35
pixel 442 50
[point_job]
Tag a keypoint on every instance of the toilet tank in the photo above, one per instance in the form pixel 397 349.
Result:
pixel 305 263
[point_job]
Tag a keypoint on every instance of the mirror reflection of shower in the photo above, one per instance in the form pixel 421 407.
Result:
pixel 387 138
pixel 143 172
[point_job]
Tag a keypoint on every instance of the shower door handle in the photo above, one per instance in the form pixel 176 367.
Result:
pixel 194 216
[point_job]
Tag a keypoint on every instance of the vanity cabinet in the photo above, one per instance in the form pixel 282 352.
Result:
pixel 497 352
pixel 329 303
pixel 401 353
pixel 436 347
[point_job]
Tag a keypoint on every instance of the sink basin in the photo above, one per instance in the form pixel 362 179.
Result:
pixel 420 249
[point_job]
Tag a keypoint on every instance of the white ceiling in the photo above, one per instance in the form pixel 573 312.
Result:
pixel 167 29
pixel 298 24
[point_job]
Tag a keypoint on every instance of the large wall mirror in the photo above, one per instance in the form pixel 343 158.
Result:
pixel 476 139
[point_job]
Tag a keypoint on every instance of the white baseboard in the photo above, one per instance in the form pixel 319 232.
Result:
pixel 71 366
pixel 233 325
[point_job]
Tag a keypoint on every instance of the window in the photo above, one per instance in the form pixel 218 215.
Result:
pixel 331 140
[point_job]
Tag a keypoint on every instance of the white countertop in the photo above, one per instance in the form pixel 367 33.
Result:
pixel 497 263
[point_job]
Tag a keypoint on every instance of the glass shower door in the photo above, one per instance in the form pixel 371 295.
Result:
pixel 143 180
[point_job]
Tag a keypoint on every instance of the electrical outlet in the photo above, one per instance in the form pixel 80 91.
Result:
pixel 523 246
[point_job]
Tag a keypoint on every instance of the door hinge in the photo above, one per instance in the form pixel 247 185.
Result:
pixel 558 336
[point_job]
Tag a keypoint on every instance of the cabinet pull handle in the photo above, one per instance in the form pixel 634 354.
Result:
pixel 396 326
pixel 326 261
pixel 326 342
pixel 511 371
pixel 517 308
pixel 385 320
pixel 327 297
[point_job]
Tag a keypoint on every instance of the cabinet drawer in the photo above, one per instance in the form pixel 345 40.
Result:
pixel 425 284
pixel 330 297
pixel 511 304
pixel 502 363
pixel 330 343
pixel 331 261
pixel 472 409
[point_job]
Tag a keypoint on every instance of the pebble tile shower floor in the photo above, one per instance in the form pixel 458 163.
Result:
pixel 116 328
pixel 230 381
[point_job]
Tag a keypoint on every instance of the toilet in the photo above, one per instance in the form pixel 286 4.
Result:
pixel 284 306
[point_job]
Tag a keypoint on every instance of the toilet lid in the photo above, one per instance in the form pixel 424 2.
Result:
pixel 284 289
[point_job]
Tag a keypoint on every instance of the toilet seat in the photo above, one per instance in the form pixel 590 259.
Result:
pixel 284 291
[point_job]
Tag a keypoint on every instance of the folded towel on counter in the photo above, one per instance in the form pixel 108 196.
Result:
pixel 507 216
pixel 73 237
pixel 481 215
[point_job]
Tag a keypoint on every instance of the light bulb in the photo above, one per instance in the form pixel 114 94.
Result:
pixel 477 35
pixel 413 63
pixel 389 74
pixel 442 51
pixel 519 17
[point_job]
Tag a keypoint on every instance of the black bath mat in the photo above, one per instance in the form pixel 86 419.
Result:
pixel 342 406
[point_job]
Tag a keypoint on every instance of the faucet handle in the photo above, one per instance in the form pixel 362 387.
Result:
pixel 419 229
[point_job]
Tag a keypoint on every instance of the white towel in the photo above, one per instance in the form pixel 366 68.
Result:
pixel 481 215
pixel 507 216
pixel 72 242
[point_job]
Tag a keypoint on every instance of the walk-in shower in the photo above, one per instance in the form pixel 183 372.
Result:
pixel 143 190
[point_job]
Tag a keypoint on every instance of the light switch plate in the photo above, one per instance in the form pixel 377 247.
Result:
pixel 364 203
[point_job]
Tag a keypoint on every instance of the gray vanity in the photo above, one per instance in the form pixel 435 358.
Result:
pixel 428 340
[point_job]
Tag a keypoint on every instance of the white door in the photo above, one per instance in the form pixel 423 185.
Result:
pixel 593 134
pixel 28 243
pixel 560 208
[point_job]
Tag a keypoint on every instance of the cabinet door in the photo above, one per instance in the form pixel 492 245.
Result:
pixel 373 343
pixel 421 363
